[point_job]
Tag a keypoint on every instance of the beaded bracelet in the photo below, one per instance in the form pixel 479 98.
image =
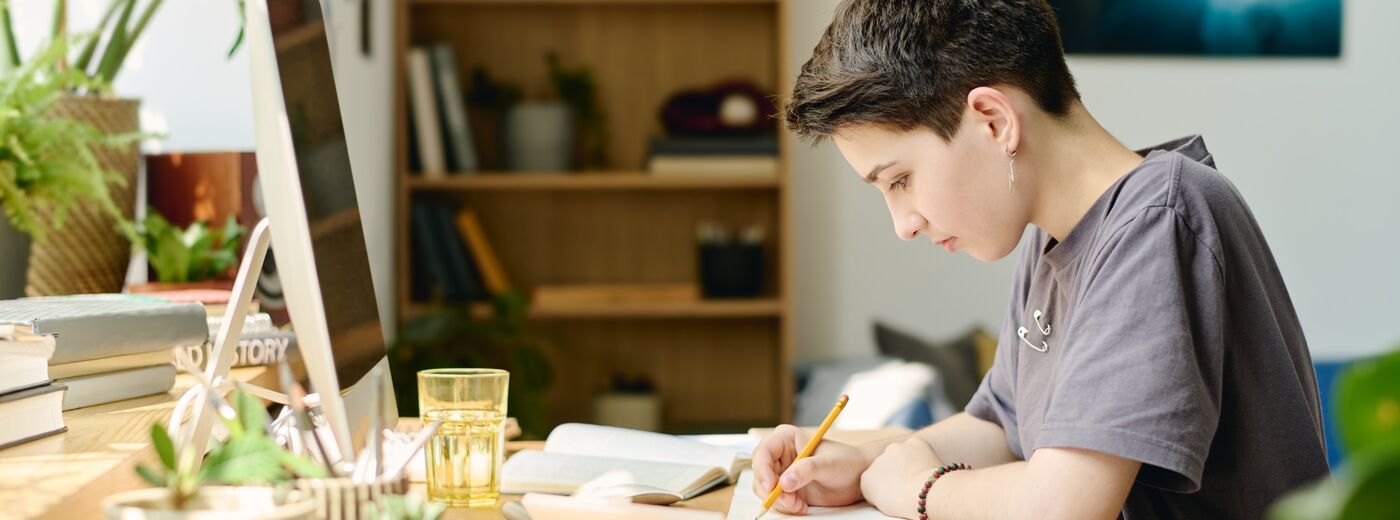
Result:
pixel 937 473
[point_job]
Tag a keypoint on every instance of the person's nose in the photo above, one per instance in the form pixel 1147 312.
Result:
pixel 908 223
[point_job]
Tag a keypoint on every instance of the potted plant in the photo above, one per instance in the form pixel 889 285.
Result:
pixel 89 253
pixel 49 164
pixel 560 131
pixel 197 257
pixel 248 474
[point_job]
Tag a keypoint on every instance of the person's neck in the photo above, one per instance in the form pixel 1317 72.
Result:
pixel 1074 164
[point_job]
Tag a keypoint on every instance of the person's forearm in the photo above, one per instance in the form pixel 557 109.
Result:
pixel 969 440
pixel 1023 490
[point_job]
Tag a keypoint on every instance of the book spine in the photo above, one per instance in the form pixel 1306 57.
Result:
pixel 251 351
pixel 454 110
pixel 468 280
pixel 424 112
pixel 492 273
pixel 427 247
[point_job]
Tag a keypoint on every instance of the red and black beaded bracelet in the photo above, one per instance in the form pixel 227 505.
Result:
pixel 937 473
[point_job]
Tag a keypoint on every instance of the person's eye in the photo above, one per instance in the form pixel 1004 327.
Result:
pixel 900 183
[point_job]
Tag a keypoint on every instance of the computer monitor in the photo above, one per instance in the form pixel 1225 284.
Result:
pixel 309 195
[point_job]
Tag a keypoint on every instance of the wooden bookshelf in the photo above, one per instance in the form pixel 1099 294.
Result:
pixel 718 364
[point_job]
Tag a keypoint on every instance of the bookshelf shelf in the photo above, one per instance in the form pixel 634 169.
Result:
pixel 713 362
pixel 703 309
pixel 621 180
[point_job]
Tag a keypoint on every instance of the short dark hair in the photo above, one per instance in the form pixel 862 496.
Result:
pixel 902 64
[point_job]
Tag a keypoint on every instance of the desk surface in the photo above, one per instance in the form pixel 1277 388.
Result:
pixel 715 500
pixel 67 475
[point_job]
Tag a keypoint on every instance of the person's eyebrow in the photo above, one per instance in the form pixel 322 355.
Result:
pixel 875 172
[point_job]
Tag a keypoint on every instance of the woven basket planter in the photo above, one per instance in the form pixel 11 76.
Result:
pixel 89 255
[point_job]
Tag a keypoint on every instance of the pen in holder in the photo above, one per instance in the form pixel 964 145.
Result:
pixel 730 268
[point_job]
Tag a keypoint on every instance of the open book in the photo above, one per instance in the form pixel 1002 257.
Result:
pixel 603 461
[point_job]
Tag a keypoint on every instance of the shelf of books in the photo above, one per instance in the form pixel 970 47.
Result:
pixel 645 252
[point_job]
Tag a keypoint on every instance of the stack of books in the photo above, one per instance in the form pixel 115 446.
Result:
pixel 30 402
pixel 714 156
pixel 105 348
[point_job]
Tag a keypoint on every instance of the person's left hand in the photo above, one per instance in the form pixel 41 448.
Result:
pixel 893 482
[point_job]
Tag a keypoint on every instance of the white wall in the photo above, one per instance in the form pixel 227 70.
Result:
pixel 200 100
pixel 1309 143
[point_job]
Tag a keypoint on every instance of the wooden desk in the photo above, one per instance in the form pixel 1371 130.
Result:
pixel 67 475
pixel 714 500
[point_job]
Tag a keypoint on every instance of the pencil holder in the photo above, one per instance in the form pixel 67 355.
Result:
pixel 346 499
pixel 731 270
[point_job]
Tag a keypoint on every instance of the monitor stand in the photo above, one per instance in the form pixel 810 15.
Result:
pixel 225 342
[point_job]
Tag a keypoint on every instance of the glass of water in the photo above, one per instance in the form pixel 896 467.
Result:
pixel 464 456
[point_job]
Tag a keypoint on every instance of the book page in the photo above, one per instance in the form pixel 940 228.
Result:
pixel 746 506
pixel 606 441
pixel 559 473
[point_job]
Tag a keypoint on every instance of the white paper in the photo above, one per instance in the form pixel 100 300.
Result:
pixel 620 443
pixel 746 506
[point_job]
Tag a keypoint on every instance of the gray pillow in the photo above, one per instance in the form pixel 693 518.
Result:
pixel 955 361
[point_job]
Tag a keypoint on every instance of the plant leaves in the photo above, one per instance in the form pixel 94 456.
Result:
pixel 150 476
pixel 1370 403
pixel 250 413
pixel 165 449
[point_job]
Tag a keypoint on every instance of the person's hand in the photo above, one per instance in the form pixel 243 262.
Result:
pixel 893 481
pixel 830 476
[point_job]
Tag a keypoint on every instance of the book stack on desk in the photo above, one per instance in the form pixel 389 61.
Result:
pixel 105 348
pixel 30 402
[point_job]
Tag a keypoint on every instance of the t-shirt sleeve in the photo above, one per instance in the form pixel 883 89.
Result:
pixel 1141 359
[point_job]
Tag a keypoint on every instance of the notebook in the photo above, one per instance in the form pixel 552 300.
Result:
pixel 103 325
pixel 746 505
pixel 602 461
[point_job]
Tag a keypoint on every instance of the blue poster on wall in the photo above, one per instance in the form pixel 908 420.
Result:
pixel 1244 28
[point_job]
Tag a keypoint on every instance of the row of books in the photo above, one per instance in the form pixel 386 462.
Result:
pixel 64 353
pixel 453 260
pixel 440 130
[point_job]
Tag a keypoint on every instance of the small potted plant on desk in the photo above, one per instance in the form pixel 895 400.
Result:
pixel 197 257
pixel 246 476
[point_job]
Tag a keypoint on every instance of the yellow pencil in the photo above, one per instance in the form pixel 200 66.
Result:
pixel 806 450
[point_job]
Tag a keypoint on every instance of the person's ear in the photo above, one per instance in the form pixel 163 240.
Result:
pixel 995 117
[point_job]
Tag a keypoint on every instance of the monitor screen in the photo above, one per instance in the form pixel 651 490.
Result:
pixel 328 189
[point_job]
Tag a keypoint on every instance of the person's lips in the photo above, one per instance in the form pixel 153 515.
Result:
pixel 949 244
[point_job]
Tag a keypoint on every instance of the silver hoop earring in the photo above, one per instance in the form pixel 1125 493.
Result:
pixel 1011 171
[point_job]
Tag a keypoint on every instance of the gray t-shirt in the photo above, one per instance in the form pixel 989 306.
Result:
pixel 1171 341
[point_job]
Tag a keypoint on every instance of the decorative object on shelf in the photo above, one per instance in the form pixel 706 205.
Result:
pixel 490 102
pixel 540 136
pixel 454 336
pixel 193 254
pixel 58 173
pixel 249 459
pixel 631 403
pixel 730 267
pixel 728 108
pixel 577 88
pixel 1368 414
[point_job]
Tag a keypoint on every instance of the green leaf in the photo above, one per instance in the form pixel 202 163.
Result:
pixel 1370 403
pixel 302 466
pixel 250 412
pixel 150 476
pixel 165 449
